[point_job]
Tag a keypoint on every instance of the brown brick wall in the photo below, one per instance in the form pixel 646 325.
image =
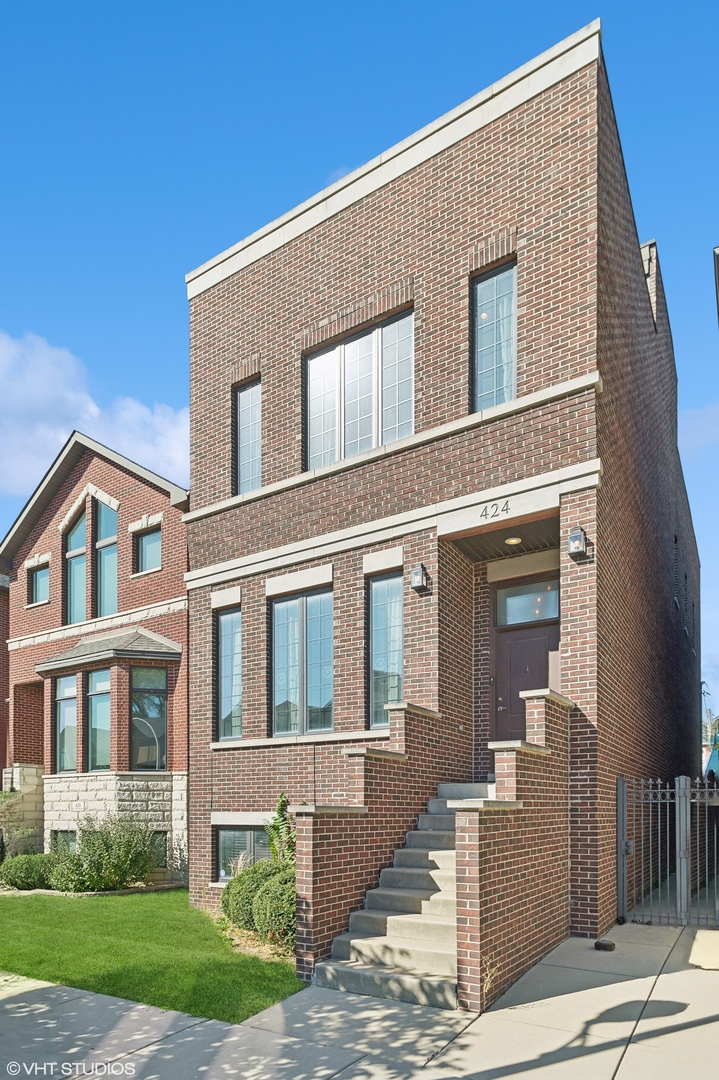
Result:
pixel 4 677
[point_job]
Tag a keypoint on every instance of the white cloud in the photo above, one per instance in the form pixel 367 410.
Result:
pixel 43 397
pixel 698 429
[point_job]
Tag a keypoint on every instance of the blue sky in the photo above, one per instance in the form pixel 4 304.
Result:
pixel 140 139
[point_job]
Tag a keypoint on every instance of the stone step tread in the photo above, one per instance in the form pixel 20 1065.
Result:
pixel 431 839
pixel 404 925
pixel 388 982
pixel 428 946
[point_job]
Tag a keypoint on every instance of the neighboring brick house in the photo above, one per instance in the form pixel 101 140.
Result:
pixel 97 649
pixel 439 536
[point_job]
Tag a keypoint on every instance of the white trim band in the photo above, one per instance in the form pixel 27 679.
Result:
pixel 533 78
pixel 93 626
pixel 456 517
pixel 224 598
pixel 299 581
pixel 248 818
pixel 380 562
pixel 592 380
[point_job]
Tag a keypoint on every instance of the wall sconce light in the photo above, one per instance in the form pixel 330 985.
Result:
pixel 577 541
pixel 418 577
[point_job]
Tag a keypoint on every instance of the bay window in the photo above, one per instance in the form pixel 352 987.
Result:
pixel 66 724
pixel 98 720
pixel 148 718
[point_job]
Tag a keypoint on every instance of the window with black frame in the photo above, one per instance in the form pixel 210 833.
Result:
pixel 105 559
pixel 148 718
pixel 302 664
pixel 229 674
pixel 98 720
pixel 385 645
pixel 39 585
pixel 248 419
pixel 66 723
pixel 494 337
pixel 236 847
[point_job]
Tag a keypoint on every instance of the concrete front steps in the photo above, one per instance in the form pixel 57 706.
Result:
pixel 403 944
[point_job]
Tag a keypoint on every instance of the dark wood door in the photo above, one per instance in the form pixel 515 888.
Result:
pixel 521 662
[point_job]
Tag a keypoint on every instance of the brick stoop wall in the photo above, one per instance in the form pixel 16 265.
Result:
pixel 512 866
pixel 341 850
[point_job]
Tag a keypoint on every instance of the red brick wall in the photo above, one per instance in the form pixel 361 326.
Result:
pixel 136 497
pixel 26 731
pixel 533 169
pixel 4 683
pixel 512 871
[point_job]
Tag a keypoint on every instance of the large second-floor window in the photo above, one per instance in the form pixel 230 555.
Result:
pixel 229 674
pixel 66 723
pixel 385 646
pixel 105 559
pixel 360 394
pixel 302 668
pixel 249 438
pixel 98 720
pixel 494 345
pixel 148 718
pixel 75 572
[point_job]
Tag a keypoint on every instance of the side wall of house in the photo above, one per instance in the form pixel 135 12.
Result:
pixel 4 675
pixel 647 563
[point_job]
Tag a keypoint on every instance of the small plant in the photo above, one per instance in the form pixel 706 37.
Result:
pixel 27 871
pixel 281 832
pixel 240 891
pixel 274 908
pixel 112 853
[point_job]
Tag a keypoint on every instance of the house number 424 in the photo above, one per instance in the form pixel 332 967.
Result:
pixel 494 510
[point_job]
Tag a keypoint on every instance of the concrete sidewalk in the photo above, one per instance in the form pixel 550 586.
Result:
pixel 648 1009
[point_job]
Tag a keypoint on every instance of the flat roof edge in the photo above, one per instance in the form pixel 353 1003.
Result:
pixel 360 182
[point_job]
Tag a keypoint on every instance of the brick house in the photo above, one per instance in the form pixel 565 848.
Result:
pixel 443 583
pixel 96 669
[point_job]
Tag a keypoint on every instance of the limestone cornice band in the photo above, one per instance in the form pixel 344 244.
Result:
pixel 592 380
pixel 451 519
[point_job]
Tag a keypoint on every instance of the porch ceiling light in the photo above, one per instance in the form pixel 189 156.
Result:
pixel 577 541
pixel 512 541
pixel 418 577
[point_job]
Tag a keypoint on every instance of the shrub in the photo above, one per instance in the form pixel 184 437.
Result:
pixel 240 891
pixel 27 871
pixel 113 853
pixel 281 834
pixel 274 907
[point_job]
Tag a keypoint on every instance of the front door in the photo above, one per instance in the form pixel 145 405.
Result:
pixel 526 630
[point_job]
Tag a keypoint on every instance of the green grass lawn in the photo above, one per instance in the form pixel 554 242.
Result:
pixel 153 948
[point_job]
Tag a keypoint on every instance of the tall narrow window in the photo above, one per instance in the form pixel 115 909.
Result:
pixel 148 551
pixel 148 709
pixel 361 393
pixel 229 674
pixel 494 337
pixel 98 720
pixel 39 585
pixel 249 438
pixel 302 664
pixel 75 572
pixel 66 724
pixel 105 559
pixel 386 646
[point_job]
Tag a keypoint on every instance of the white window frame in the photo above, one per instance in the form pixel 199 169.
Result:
pixel 377 384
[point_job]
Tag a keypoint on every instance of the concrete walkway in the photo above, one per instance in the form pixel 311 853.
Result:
pixel 648 1009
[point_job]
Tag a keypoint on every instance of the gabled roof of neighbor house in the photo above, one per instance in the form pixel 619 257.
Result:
pixel 544 71
pixel 77 445
pixel 135 644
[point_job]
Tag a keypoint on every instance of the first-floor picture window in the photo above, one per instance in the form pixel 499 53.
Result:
pixel 302 628
pixel 385 646
pixel 229 674
pixel 98 720
pixel 148 720
pixel 66 723
pixel 237 847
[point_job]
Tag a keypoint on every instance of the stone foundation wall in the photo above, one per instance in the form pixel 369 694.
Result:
pixel 157 799
pixel 26 815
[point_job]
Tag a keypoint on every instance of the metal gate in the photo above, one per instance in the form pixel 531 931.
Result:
pixel 667 851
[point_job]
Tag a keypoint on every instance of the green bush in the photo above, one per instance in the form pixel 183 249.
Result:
pixel 240 891
pixel 27 871
pixel 113 853
pixel 274 907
